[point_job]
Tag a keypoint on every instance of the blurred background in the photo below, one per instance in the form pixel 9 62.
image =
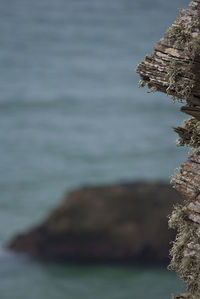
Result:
pixel 71 114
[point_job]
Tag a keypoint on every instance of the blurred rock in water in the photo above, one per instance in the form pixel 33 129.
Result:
pixel 123 223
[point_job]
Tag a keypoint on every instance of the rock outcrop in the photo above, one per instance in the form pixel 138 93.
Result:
pixel 124 223
pixel 174 68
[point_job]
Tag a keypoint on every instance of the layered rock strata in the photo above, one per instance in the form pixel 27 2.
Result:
pixel 174 68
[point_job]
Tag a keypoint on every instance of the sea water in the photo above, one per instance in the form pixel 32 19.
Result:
pixel 71 114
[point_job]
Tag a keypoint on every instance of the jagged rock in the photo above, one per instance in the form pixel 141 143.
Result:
pixel 120 223
pixel 174 68
pixel 186 219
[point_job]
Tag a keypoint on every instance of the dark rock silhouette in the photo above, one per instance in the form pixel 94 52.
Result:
pixel 125 223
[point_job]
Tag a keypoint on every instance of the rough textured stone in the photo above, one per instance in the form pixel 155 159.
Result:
pixel 174 68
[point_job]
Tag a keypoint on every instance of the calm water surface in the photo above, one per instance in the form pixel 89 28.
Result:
pixel 71 114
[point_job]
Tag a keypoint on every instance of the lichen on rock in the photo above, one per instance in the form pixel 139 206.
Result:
pixel 174 68
pixel 189 134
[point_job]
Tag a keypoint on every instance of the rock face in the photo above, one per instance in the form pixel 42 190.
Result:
pixel 124 223
pixel 174 68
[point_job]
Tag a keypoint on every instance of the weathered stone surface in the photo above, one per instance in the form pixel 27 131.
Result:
pixel 187 180
pixel 174 68
pixel 120 223
pixel 186 218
